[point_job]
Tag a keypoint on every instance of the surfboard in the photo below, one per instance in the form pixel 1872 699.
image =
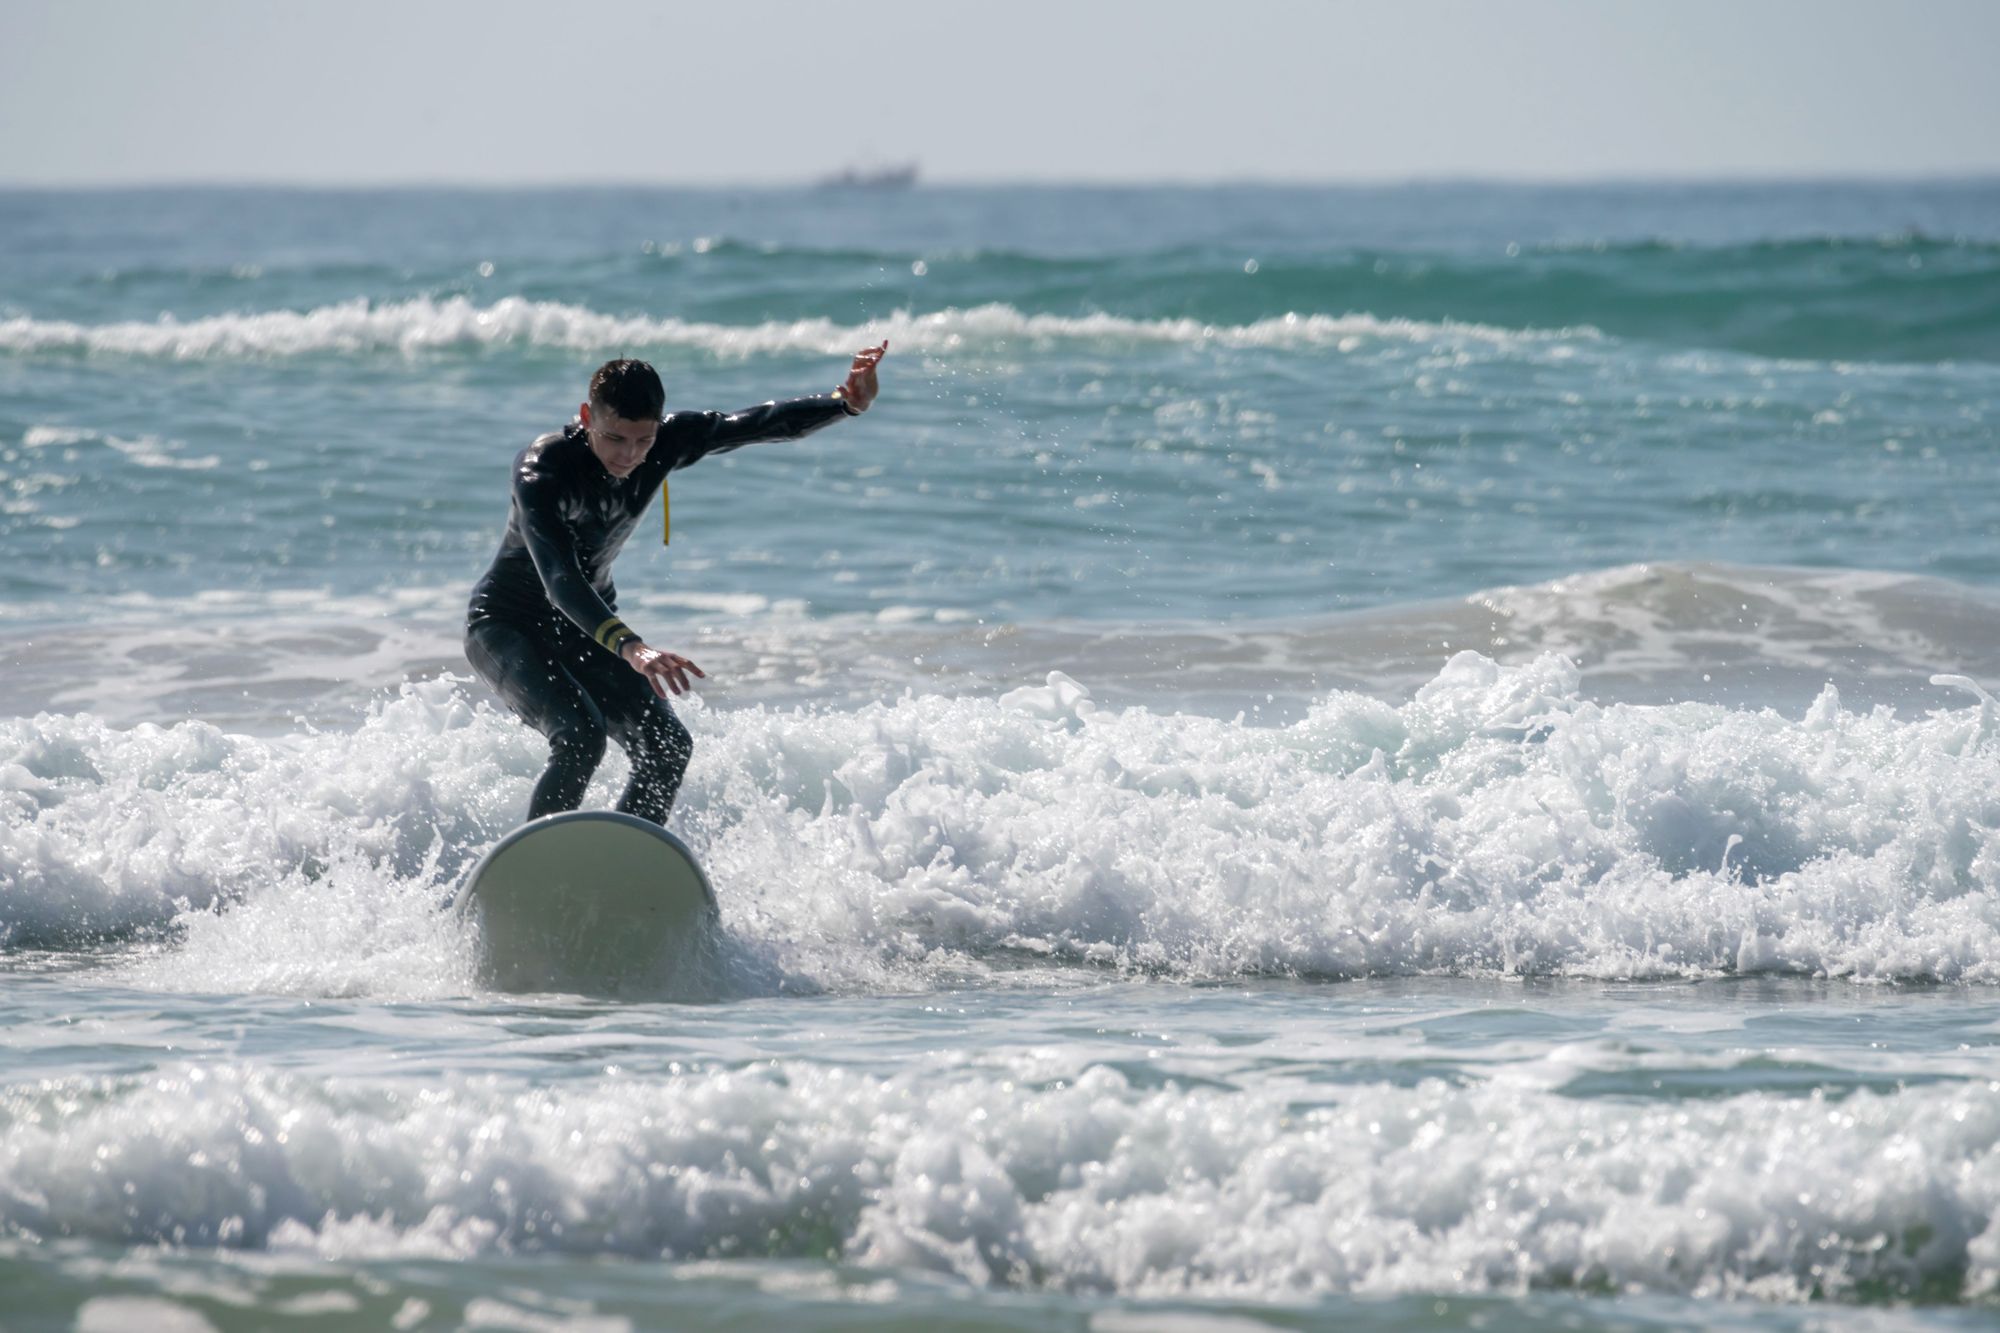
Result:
pixel 590 900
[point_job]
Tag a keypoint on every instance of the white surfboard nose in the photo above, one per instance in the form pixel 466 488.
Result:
pixel 587 901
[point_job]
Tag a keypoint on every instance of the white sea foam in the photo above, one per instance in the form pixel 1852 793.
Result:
pixel 425 324
pixel 149 451
pixel 1495 823
pixel 106 831
pixel 1000 1173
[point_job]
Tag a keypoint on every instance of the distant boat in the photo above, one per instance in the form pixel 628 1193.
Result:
pixel 870 178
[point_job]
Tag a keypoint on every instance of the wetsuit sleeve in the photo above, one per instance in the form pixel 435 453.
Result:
pixel 695 435
pixel 552 546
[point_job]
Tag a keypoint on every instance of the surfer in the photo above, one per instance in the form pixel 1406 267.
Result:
pixel 543 628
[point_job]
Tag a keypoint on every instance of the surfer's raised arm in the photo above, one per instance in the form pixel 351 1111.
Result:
pixel 688 437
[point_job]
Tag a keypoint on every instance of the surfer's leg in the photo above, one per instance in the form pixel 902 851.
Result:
pixel 660 748
pixel 529 675
pixel 574 752
pixel 649 733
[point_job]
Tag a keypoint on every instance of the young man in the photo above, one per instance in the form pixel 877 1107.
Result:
pixel 543 630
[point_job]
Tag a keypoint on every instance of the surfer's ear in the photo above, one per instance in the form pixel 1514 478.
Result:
pixel 583 414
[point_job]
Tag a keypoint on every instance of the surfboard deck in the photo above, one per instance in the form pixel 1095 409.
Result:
pixel 590 900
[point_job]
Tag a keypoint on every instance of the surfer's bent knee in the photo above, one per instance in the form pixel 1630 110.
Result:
pixel 580 740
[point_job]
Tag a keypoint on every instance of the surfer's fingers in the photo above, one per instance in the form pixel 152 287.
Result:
pixel 670 671
pixel 656 671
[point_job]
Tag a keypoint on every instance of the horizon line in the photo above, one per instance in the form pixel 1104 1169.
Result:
pixel 1971 176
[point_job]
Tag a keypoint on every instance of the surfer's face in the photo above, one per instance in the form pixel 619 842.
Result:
pixel 619 444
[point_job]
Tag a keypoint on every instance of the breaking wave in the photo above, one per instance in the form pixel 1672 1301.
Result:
pixel 1072 1180
pixel 430 324
pixel 1496 823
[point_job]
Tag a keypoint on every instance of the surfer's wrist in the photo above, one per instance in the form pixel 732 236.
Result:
pixel 630 649
pixel 846 404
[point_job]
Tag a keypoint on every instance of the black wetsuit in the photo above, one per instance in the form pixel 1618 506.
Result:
pixel 543 628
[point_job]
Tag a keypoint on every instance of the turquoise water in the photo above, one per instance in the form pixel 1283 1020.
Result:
pixel 1389 757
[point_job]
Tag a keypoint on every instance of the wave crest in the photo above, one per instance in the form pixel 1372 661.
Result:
pixel 428 324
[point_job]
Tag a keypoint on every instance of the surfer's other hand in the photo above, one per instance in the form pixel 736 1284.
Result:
pixel 663 671
pixel 861 386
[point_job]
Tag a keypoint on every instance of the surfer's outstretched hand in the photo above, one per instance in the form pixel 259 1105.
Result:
pixel 663 671
pixel 862 386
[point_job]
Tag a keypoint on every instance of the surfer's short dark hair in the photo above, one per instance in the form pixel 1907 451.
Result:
pixel 628 389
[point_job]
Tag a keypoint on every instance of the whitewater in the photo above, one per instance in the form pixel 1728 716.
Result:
pixel 1386 758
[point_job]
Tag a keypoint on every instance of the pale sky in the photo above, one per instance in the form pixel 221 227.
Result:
pixel 508 91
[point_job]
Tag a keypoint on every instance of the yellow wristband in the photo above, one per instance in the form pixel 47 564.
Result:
pixel 613 634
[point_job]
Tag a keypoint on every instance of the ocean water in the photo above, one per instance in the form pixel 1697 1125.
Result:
pixel 1418 757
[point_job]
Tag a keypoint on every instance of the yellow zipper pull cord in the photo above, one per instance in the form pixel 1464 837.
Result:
pixel 666 516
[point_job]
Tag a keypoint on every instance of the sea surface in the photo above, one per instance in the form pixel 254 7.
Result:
pixel 1377 758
